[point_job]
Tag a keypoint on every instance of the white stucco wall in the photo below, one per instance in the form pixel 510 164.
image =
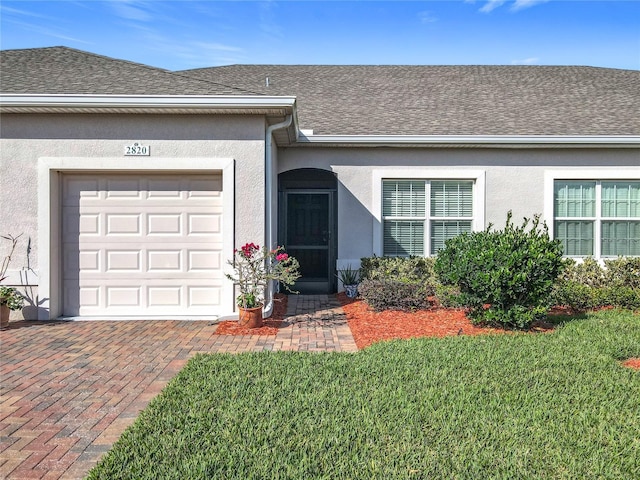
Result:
pixel 25 140
pixel 514 179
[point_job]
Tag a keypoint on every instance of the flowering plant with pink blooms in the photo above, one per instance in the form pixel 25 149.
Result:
pixel 255 267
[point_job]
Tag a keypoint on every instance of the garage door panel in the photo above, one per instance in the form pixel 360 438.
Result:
pixel 142 245
pixel 91 296
pixel 127 192
pixel 119 261
pixel 204 296
pixel 87 224
pixel 204 224
pixel 87 261
pixel 165 260
pixel 204 260
pixel 123 296
pixel 124 224
pixel 164 301
pixel 165 296
pixel 164 224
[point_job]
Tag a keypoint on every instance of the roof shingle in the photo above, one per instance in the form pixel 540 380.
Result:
pixel 366 100
pixel 62 70
pixel 449 100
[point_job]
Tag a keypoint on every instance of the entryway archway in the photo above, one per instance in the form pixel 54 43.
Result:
pixel 307 226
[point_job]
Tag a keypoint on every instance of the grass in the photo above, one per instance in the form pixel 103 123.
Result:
pixel 517 406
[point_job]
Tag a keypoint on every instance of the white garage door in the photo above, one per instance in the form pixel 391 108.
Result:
pixel 142 245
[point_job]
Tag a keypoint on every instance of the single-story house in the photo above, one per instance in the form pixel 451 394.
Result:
pixel 132 185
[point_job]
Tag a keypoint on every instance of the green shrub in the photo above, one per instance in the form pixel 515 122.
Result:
pixel 620 296
pixel 623 271
pixel 505 277
pixel 571 293
pixel 588 272
pixel 448 296
pixel 397 283
pixel 587 284
pixel 393 295
pixel 401 269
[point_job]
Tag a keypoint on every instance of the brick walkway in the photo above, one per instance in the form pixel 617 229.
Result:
pixel 69 389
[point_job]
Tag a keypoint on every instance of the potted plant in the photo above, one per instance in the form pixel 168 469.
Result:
pixel 10 298
pixel 253 269
pixel 350 278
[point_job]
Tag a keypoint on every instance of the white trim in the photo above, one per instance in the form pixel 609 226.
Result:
pixel 582 140
pixel 49 235
pixel 478 177
pixel 596 174
pixel 145 101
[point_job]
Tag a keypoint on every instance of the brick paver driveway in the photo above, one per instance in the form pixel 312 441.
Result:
pixel 69 389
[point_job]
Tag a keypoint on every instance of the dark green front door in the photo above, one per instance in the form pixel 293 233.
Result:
pixel 309 236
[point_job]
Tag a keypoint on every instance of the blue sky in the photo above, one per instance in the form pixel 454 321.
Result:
pixel 189 34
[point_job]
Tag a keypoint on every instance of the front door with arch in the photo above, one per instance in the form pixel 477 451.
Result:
pixel 307 226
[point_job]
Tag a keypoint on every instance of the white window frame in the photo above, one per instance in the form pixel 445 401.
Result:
pixel 476 176
pixel 594 175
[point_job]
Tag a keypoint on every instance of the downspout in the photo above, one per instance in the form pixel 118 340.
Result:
pixel 268 166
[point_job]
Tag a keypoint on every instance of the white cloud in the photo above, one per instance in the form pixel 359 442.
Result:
pixel 210 54
pixel 526 61
pixel 427 17
pixel 517 4
pixel 268 19
pixel 521 4
pixel 14 11
pixel 42 30
pixel 131 10
pixel 195 54
pixel 491 5
pixel 217 47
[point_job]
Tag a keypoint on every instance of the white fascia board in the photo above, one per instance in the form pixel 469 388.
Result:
pixel 146 101
pixel 471 139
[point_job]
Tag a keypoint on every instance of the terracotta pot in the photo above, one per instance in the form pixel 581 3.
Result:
pixel 4 316
pixel 250 317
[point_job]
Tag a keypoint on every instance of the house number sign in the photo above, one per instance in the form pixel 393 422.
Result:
pixel 137 149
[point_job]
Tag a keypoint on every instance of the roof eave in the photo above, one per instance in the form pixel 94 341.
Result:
pixel 274 108
pixel 578 141
pixel 17 103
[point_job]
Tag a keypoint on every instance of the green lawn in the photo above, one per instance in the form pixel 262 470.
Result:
pixel 517 406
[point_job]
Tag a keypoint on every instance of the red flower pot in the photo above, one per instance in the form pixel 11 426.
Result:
pixel 250 317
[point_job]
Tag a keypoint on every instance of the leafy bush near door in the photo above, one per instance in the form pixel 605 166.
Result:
pixel 393 295
pixel 397 283
pixel 505 276
pixel 402 269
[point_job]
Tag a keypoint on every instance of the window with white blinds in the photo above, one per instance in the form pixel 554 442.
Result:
pixel 597 218
pixel 419 216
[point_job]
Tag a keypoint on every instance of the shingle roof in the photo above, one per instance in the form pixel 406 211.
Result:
pixel 449 100
pixel 62 70
pixel 366 100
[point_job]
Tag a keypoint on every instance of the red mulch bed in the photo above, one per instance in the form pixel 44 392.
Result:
pixel 368 326
pixel 632 363
pixel 270 325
